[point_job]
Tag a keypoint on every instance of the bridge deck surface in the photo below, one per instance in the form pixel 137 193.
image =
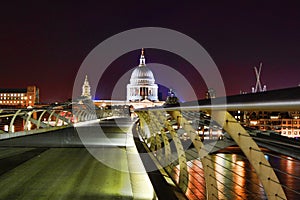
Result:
pixel 57 166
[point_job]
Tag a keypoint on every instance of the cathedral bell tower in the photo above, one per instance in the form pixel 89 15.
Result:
pixel 86 89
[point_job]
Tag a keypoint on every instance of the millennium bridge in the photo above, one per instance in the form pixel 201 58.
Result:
pixel 195 151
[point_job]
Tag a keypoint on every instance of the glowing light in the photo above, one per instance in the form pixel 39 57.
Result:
pixel 6 128
pixel 280 105
pixel 29 126
pixel 267 157
pixel 254 123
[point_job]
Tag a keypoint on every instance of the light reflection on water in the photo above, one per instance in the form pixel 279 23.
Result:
pixel 238 180
pixel 288 175
pixel 196 186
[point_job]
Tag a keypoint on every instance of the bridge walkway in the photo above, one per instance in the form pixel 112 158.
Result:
pixel 56 165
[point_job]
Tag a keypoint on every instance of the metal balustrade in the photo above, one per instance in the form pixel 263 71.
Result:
pixel 161 129
pixel 26 120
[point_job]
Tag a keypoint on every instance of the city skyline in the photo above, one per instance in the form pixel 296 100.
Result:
pixel 44 45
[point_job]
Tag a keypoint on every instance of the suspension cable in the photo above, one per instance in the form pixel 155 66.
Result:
pixel 282 157
pixel 277 170
pixel 175 173
pixel 226 187
pixel 248 170
pixel 233 173
pixel 249 181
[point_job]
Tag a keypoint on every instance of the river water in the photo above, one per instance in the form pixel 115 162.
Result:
pixel 236 179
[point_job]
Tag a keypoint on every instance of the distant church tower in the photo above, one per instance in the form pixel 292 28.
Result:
pixel 86 89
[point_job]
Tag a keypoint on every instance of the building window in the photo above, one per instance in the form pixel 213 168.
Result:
pixel 283 132
pixel 0 101
pixel 283 122
pixel 295 133
pixel 289 122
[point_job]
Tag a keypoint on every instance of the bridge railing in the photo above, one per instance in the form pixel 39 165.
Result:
pixel 18 122
pixel 176 136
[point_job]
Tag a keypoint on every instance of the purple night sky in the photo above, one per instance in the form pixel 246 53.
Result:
pixel 45 44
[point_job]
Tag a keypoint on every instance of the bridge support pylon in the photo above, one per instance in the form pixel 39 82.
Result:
pixel 264 170
pixel 153 126
pixel 208 165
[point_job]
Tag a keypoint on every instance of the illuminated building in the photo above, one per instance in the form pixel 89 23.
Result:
pixel 19 97
pixel 86 89
pixel 284 121
pixel 289 127
pixel 171 100
pixel 210 94
pixel 142 86
pixel 141 91
pixel 86 96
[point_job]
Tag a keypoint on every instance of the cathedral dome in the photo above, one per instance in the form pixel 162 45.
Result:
pixel 142 75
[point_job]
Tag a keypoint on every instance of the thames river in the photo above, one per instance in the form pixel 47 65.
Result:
pixel 236 179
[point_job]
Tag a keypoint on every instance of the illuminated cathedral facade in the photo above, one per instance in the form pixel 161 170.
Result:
pixel 142 83
pixel 141 91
